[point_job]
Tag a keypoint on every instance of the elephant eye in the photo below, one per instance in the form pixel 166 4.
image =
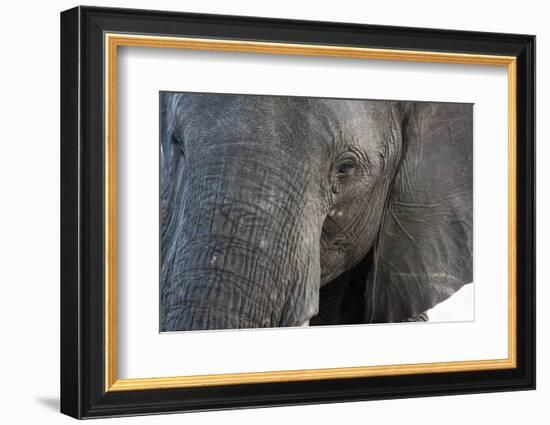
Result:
pixel 178 143
pixel 345 167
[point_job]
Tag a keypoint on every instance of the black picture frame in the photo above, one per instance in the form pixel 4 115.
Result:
pixel 83 392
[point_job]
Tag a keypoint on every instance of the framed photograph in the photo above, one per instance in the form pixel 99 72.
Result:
pixel 261 212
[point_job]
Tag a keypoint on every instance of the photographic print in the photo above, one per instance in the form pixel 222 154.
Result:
pixel 293 211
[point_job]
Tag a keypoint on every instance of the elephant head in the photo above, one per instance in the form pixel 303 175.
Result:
pixel 280 211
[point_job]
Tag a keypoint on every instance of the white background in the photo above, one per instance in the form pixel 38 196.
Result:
pixel 144 71
pixel 29 229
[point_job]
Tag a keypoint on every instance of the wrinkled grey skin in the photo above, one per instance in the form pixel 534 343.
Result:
pixel 279 211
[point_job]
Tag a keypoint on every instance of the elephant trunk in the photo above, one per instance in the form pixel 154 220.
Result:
pixel 239 252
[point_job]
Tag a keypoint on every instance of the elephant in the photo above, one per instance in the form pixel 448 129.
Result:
pixel 292 211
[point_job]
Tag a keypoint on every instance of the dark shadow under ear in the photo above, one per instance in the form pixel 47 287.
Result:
pixel 341 301
pixel 423 253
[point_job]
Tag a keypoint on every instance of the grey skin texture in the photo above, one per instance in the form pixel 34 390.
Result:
pixel 282 211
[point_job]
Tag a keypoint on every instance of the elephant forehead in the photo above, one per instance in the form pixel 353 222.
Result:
pixel 290 121
pixel 364 119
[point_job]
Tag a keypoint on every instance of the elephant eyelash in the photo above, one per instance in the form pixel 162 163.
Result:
pixel 354 161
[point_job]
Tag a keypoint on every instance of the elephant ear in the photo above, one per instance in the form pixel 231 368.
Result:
pixel 423 253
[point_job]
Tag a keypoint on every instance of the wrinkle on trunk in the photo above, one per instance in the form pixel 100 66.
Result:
pixel 240 246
